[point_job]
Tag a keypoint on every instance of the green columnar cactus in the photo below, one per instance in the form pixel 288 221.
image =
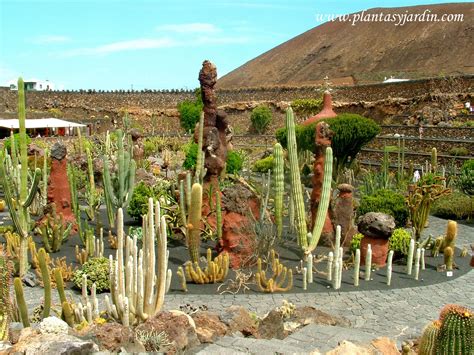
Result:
pixel 44 180
pixel 182 203
pixel 429 338
pixel 323 203
pixel 279 183
pixel 136 290
pixel 4 297
pixel 297 192
pixel 118 189
pixel 200 156
pixel 218 215
pixel 46 282
pixel 194 222
pixel 92 195
pixel 18 202
pixel 20 301
pixel 58 277
pixel 67 313
pixel 448 258
pixel 456 335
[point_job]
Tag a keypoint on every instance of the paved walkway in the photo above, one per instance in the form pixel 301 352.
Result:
pixel 398 313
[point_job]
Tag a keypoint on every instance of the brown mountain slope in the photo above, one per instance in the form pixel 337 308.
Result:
pixel 367 51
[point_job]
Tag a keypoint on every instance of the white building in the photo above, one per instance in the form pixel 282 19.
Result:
pixel 33 85
pixel 394 80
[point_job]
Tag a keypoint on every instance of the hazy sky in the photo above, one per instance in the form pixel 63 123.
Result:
pixel 112 44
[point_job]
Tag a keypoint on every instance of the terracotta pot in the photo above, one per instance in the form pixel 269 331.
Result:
pixel 379 250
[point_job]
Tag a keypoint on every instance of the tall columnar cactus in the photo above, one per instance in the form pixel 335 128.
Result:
pixel 429 338
pixel 218 215
pixel 18 202
pixel 4 296
pixel 92 194
pixel 324 202
pixel 456 334
pixel 137 291
pixel 297 192
pixel 118 189
pixel 200 156
pixel 45 276
pixel 20 301
pixel 194 223
pixel 279 183
pixel 44 180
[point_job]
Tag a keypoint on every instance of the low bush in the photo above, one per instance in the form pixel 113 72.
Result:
pixel 234 162
pixel 261 117
pixel 386 201
pixel 263 165
pixel 454 206
pixel 466 179
pixel 97 271
pixel 306 107
pixel 399 242
pixel 459 151
pixel 138 205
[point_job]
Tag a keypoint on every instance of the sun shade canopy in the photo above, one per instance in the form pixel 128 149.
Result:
pixel 39 123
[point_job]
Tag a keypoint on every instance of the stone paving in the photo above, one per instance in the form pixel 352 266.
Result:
pixel 397 313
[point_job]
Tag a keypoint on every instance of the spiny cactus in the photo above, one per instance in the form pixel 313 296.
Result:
pixel 449 258
pixel 20 301
pixel 280 275
pixel 54 231
pixel 136 290
pixel 199 176
pixel 93 196
pixel 456 334
pixel 297 192
pixel 218 215
pixel 215 271
pixel 279 183
pixel 194 223
pixel 429 338
pixel 19 201
pixel 434 160
pixel 4 296
pixel 46 282
pixel 118 189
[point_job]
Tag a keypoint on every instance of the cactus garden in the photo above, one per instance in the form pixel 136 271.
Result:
pixel 236 177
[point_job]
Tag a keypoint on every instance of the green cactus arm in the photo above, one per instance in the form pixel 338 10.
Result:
pixel 194 222
pixel 58 277
pixel 20 301
pixel 324 202
pixel 130 182
pixel 33 189
pixel 23 145
pixel 279 183
pixel 218 215
pixel 108 185
pixel 46 282
pixel 9 198
pixel 199 158
pixel 297 191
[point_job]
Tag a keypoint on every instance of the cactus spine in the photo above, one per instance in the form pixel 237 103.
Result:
pixel 279 183
pixel 118 190
pixel 194 222
pixel 429 338
pixel 296 190
pixel 18 202
pixel 4 297
pixel 136 291
pixel 20 301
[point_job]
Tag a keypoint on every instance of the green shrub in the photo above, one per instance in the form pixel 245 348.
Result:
pixel 97 270
pixel 306 107
pixel 234 162
pixel 399 242
pixel 386 201
pixel 191 156
pixel 466 179
pixel 149 148
pixel 454 206
pixel 8 144
pixel 355 242
pixel 351 133
pixel 138 205
pixel 459 151
pixel 263 165
pixel 261 117
pixel 189 114
pixel 469 123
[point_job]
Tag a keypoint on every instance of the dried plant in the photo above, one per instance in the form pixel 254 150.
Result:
pixel 240 282
pixel 154 341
